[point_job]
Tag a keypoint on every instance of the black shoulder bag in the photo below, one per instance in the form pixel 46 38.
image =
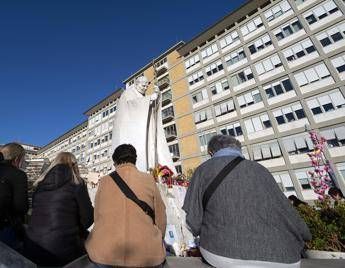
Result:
pixel 131 195
pixel 218 180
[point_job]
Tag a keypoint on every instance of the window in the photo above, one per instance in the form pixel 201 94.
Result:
pixel 339 63
pixel 170 130
pixel 335 137
pixel 303 178
pixel 332 35
pixel 178 169
pixel 192 61
pixel 326 102
pixel 199 96
pixel 235 57
pixel 210 50
pixel 219 86
pixel 168 112
pixel 224 107
pixel 241 77
pixel 284 181
pixel 195 78
pixel 258 123
pixel 251 26
pixel 259 44
pixel 278 88
pixel 205 138
pixel 202 116
pixel 234 130
pixel 312 75
pixel 161 62
pixel 174 150
pixel 266 151
pixel 249 98
pixel 277 10
pixel 229 39
pixel 298 144
pixel 214 68
pixel 320 12
pixel 288 29
pixel 289 113
pixel 268 64
pixel 299 50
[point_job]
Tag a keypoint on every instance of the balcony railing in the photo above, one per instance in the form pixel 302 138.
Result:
pixel 175 156
pixel 161 70
pixel 166 98
pixel 163 83
pixel 167 115
pixel 171 135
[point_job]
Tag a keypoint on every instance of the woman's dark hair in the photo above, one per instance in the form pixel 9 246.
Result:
pixel 125 153
pixel 333 191
pixel 295 201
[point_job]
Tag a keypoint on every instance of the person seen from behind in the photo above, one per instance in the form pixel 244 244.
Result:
pixel 61 213
pixel 296 202
pixel 123 234
pixel 13 195
pixel 246 221
pixel 335 193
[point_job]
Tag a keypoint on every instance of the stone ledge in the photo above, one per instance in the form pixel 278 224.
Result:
pixel 10 258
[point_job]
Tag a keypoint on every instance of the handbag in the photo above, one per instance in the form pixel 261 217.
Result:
pixel 131 195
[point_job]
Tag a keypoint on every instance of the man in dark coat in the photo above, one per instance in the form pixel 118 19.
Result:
pixel 13 195
pixel 248 221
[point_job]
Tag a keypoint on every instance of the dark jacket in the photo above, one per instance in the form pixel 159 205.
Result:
pixel 13 195
pixel 61 213
pixel 247 217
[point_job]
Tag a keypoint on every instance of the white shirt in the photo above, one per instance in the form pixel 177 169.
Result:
pixel 224 262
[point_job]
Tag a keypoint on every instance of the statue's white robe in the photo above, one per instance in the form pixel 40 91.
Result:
pixel 130 126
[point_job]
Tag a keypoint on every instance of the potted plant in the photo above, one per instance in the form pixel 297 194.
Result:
pixel 326 222
pixel 326 218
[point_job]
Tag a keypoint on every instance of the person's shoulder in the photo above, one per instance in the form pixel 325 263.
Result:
pixel 13 171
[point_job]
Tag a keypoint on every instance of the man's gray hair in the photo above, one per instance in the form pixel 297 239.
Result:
pixel 218 142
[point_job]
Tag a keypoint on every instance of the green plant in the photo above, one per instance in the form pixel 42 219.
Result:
pixel 326 222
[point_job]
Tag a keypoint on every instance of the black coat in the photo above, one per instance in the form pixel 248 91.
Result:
pixel 13 195
pixel 61 213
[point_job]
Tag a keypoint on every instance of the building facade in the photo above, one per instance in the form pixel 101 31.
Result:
pixel 99 134
pixel 266 74
pixel 74 141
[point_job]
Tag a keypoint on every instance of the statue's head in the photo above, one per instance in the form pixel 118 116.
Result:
pixel 142 83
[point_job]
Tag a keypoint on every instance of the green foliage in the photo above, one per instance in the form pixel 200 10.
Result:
pixel 189 173
pixel 326 221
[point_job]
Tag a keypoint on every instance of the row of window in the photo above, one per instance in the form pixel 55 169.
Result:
pixel 101 140
pixel 264 41
pixel 303 78
pixel 318 104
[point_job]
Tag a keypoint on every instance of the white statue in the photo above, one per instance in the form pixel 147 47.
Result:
pixel 138 121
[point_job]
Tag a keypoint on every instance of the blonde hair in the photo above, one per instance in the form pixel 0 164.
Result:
pixel 65 158
pixel 12 151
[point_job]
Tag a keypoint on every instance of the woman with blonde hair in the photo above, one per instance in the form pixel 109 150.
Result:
pixel 61 213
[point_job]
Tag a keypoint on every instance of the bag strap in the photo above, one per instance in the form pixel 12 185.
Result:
pixel 218 180
pixel 131 195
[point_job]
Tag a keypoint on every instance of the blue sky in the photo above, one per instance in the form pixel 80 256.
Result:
pixel 60 57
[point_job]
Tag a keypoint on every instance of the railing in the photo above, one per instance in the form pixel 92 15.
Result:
pixel 163 83
pixel 166 98
pixel 167 115
pixel 171 135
